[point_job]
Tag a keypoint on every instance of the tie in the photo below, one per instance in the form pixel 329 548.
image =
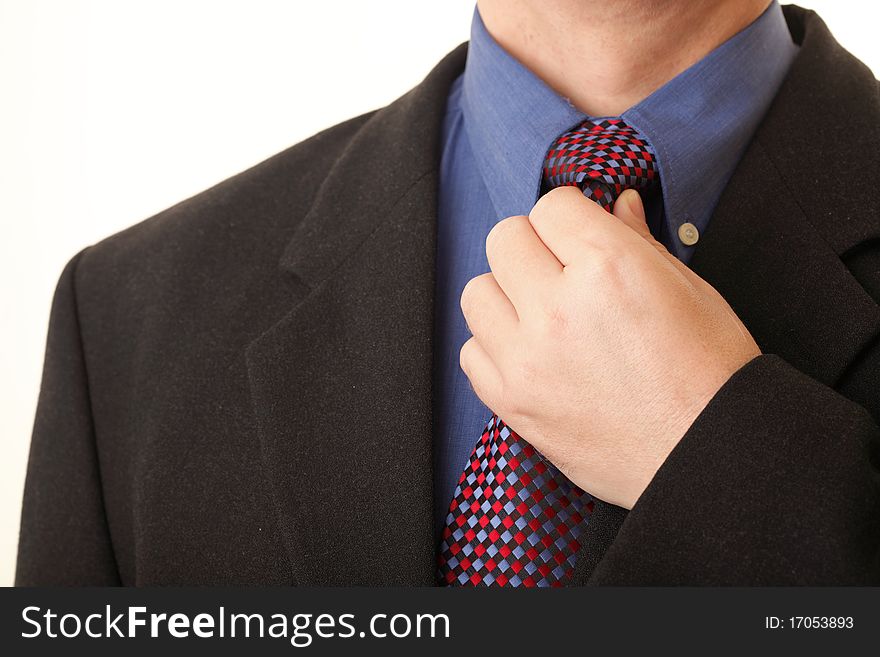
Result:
pixel 515 520
pixel 603 159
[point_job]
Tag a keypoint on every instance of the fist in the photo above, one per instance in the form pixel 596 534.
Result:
pixel 594 343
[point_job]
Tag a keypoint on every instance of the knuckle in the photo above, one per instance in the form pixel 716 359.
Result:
pixel 543 211
pixel 464 356
pixel 484 385
pixel 467 295
pixel 606 266
pixel 471 293
pixel 499 234
pixel 496 236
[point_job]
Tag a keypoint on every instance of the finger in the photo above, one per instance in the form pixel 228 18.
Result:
pixel 574 228
pixel 490 316
pixel 631 211
pixel 522 264
pixel 481 371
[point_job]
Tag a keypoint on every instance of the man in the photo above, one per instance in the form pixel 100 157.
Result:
pixel 678 318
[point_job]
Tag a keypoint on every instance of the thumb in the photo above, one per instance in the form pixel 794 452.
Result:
pixel 630 210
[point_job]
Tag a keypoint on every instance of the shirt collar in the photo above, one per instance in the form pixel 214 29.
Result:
pixel 511 117
pixel 699 123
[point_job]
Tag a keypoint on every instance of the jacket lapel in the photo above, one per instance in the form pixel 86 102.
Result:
pixel 801 197
pixel 781 277
pixel 341 384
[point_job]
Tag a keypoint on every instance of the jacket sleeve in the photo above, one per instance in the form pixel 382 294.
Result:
pixel 775 483
pixel 64 539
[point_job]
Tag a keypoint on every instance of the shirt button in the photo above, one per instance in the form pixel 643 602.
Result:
pixel 688 234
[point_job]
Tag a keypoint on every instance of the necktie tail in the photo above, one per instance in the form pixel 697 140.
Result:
pixel 515 519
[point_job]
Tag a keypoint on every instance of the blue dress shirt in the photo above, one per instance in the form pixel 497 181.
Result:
pixel 500 121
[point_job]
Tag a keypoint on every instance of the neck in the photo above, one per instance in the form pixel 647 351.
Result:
pixel 607 55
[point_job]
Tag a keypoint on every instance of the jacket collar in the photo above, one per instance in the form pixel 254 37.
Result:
pixel 341 384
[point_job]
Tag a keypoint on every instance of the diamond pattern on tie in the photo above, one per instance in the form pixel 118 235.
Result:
pixel 515 519
pixel 602 159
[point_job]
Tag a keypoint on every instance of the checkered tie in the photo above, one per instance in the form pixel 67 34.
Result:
pixel 515 520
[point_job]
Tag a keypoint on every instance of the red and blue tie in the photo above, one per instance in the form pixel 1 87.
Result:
pixel 515 520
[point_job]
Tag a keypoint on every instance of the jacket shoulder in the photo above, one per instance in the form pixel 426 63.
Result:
pixel 249 213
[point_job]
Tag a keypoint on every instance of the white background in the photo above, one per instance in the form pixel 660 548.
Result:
pixel 111 110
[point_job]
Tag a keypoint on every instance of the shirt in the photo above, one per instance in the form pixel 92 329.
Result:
pixel 500 121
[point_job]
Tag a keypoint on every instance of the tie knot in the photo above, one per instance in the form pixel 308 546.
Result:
pixel 603 159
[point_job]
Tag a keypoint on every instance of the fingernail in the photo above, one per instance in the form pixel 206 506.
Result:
pixel 634 203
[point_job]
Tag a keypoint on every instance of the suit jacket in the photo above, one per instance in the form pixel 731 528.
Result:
pixel 238 390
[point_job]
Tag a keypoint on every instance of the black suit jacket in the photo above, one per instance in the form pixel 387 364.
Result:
pixel 238 390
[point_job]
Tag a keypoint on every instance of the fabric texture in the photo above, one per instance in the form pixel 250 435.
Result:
pixel 515 519
pixel 501 119
pixel 603 158
pixel 239 390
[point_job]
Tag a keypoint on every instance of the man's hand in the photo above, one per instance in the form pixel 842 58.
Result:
pixel 594 343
